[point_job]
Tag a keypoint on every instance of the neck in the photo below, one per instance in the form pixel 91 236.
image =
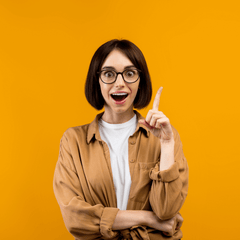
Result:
pixel 115 117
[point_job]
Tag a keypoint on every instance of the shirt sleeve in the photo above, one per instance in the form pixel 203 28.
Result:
pixel 169 187
pixel 82 219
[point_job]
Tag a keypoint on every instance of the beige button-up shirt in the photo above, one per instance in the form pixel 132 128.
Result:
pixel 84 188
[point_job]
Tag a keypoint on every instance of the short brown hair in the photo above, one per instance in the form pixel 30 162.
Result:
pixel 92 86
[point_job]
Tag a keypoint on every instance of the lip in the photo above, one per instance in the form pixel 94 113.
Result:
pixel 119 102
pixel 119 92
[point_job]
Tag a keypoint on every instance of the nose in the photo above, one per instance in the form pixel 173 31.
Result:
pixel 119 81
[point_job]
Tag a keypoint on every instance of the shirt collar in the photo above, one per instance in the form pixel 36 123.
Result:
pixel 140 125
pixel 93 130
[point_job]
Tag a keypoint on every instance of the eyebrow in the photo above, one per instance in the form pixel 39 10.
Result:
pixel 126 67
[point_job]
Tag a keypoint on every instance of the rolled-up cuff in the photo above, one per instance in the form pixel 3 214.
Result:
pixel 107 220
pixel 168 175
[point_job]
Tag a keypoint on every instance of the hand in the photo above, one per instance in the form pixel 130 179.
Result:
pixel 168 227
pixel 158 124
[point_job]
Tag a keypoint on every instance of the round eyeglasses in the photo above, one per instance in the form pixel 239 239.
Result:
pixel 110 76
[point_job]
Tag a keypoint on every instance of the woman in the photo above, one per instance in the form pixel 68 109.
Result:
pixel 121 176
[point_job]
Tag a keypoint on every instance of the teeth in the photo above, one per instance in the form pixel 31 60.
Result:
pixel 119 94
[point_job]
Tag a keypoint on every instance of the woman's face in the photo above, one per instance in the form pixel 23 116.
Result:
pixel 115 103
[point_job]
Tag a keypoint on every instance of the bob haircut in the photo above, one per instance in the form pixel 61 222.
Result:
pixel 92 86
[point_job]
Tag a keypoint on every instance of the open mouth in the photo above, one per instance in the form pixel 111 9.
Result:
pixel 119 96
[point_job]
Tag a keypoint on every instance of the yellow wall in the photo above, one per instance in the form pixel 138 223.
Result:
pixel 192 50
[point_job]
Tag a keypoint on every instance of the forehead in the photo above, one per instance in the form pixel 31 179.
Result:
pixel 117 59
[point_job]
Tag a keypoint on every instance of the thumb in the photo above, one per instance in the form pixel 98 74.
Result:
pixel 143 121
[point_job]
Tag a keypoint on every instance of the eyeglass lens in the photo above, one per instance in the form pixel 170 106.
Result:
pixel 129 75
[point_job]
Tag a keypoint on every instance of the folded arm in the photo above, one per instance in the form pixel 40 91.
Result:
pixel 82 219
pixel 125 219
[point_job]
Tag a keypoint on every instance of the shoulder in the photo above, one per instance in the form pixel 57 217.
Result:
pixel 178 146
pixel 73 131
pixel 75 134
pixel 82 133
pixel 175 134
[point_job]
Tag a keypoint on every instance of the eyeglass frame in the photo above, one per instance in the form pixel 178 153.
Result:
pixel 139 71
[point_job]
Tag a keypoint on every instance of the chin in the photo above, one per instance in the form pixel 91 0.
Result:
pixel 122 109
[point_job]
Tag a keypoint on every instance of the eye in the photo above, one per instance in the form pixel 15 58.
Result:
pixel 130 73
pixel 108 74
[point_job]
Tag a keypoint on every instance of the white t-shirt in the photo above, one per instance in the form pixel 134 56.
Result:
pixel 116 136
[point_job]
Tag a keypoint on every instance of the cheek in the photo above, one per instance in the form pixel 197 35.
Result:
pixel 135 90
pixel 104 89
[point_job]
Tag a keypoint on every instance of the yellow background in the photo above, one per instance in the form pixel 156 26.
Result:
pixel 192 50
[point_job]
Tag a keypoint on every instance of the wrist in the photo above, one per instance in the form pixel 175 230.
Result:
pixel 148 218
pixel 167 155
pixel 128 218
pixel 167 143
pixel 142 216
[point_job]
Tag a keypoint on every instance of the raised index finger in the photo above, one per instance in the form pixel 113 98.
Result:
pixel 157 99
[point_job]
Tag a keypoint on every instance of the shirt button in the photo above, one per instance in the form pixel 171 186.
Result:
pixel 132 160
